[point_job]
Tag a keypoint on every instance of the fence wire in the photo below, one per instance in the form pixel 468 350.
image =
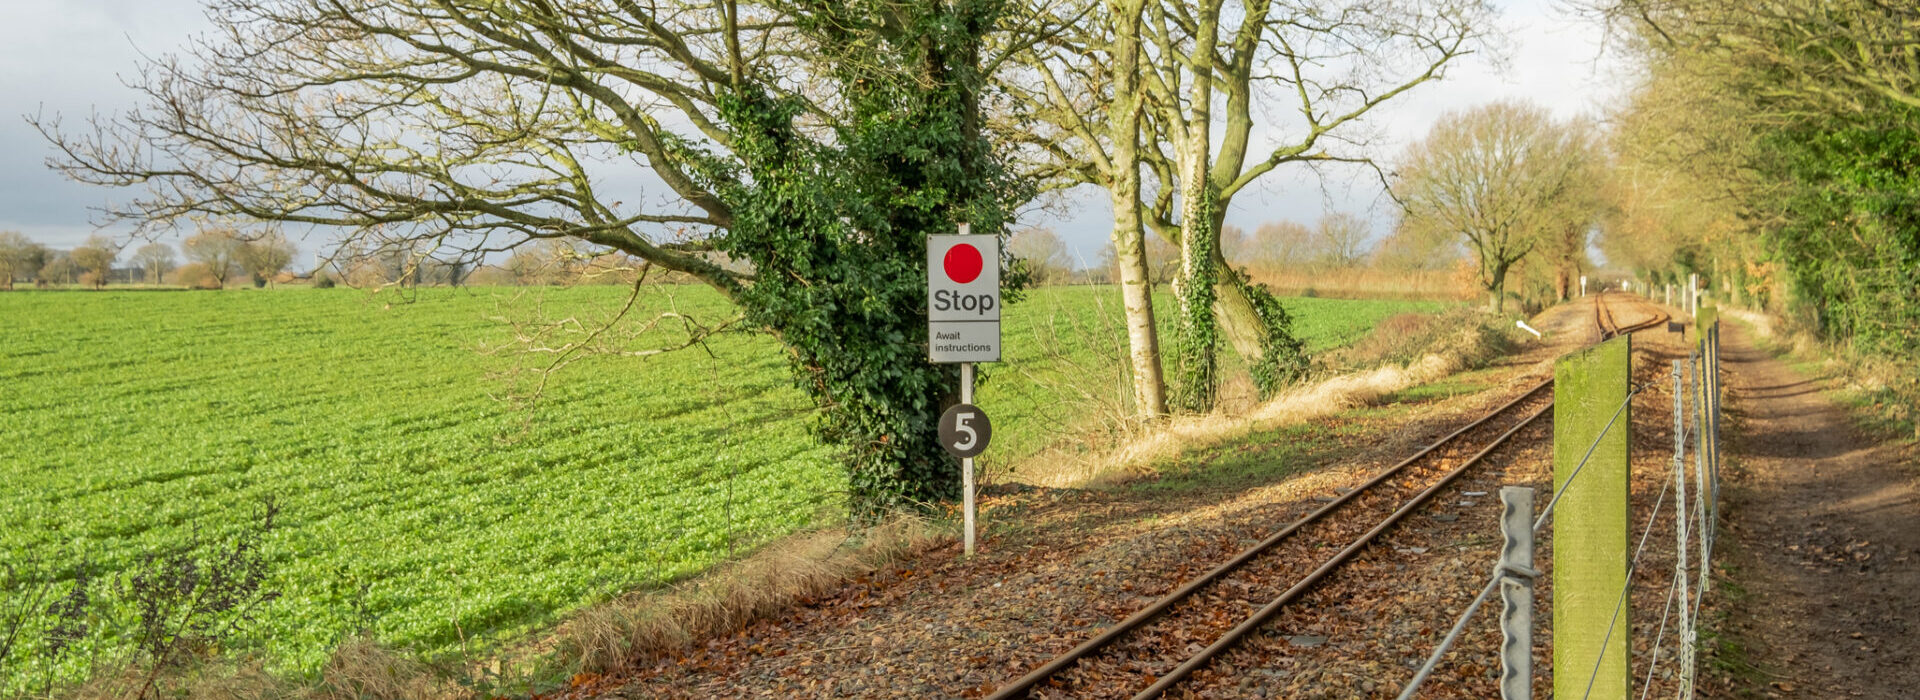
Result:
pixel 1694 523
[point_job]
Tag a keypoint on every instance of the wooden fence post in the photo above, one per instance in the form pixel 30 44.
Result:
pixel 1590 547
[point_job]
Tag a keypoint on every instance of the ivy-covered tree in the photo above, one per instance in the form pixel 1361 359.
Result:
pixel 1113 88
pixel 818 142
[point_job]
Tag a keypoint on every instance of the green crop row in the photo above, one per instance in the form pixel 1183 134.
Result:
pixel 426 495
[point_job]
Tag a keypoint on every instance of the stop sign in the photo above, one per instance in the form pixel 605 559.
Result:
pixel 963 298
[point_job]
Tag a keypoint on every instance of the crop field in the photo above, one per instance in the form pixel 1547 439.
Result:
pixel 423 496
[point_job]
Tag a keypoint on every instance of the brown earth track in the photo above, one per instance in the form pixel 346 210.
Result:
pixel 1826 541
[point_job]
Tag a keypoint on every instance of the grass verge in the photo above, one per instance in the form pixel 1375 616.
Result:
pixel 1397 357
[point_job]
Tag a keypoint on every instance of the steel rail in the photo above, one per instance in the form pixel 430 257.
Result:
pixel 1147 614
pixel 1260 617
pixel 1021 686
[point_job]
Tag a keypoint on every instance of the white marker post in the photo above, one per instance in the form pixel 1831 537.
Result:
pixel 1693 294
pixel 963 326
pixel 966 464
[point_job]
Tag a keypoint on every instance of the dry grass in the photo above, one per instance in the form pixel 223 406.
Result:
pixel 597 640
pixel 1443 346
pixel 1407 338
pixel 359 670
pixel 1364 282
pixel 612 635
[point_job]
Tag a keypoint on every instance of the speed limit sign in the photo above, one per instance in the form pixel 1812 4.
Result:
pixel 965 430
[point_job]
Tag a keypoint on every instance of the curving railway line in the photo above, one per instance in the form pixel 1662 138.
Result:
pixel 1163 643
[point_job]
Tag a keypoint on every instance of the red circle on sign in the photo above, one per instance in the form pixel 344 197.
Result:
pixel 963 263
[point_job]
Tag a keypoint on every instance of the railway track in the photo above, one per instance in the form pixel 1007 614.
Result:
pixel 1162 644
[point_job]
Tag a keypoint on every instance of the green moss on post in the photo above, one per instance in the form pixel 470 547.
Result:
pixel 1590 546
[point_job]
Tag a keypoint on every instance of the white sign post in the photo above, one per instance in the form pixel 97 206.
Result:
pixel 963 326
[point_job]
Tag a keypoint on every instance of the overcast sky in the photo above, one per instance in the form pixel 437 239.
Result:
pixel 67 57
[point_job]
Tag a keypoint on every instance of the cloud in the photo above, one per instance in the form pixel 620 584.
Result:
pixel 68 57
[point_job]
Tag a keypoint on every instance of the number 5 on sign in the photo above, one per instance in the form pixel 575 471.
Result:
pixel 965 430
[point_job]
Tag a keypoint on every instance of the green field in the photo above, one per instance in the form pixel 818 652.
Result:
pixel 411 489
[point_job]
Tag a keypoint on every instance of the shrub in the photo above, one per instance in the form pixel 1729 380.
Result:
pixel 190 603
pixel 322 280
pixel 196 276
pixel 1403 339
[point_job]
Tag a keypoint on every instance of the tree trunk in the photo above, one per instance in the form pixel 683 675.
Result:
pixel 1234 311
pixel 1497 287
pixel 1143 340
pixel 1129 240
pixel 1197 359
pixel 1197 349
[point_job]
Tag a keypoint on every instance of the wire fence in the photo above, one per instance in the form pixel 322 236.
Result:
pixel 1693 517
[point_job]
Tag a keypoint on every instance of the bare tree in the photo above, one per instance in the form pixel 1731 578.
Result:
pixel 1416 248
pixel 1500 176
pixel 1236 243
pixel 19 257
pixel 59 268
pixel 265 256
pixel 1139 85
pixel 1793 55
pixel 216 248
pixel 1210 55
pixel 1283 243
pixel 1045 253
pixel 1078 118
pixel 96 257
pixel 1342 239
pixel 156 259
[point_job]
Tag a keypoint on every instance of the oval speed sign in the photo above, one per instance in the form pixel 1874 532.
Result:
pixel 965 430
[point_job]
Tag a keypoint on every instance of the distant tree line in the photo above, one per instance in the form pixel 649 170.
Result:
pixel 1336 240
pixel 215 257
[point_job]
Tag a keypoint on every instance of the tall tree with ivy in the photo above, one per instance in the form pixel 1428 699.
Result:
pixel 817 142
pixel 1188 79
pixel 1218 62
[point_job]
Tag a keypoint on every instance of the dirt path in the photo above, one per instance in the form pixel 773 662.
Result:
pixel 1827 528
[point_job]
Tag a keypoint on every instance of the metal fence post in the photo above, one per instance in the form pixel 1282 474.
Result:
pixel 1681 518
pixel 1713 336
pixel 1516 593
